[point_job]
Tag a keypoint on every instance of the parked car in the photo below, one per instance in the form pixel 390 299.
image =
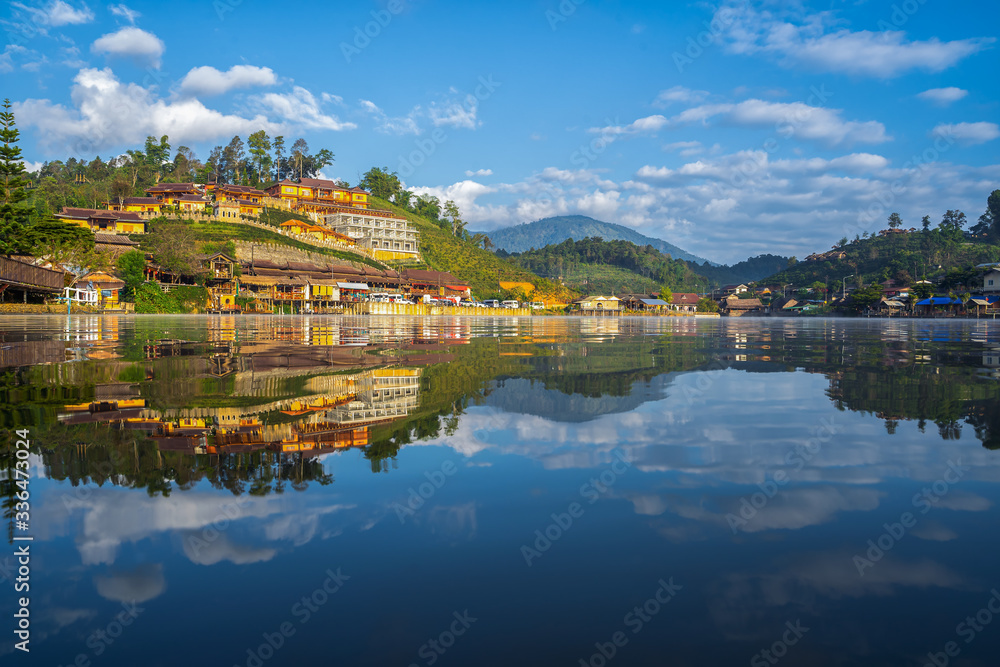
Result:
pixel 510 304
pixel 537 305
pixel 491 303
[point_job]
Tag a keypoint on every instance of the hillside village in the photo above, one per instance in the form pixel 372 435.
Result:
pixel 264 235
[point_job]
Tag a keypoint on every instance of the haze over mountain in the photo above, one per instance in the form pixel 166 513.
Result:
pixel 547 231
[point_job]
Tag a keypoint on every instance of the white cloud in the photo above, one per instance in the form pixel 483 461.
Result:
pixel 478 172
pixel 943 96
pixel 56 13
pixel 392 125
pixel 456 114
pixel 648 124
pixel 968 133
pixel 206 80
pixel 139 585
pixel 107 113
pixel 809 43
pixel 131 42
pixel 679 94
pixel 789 119
pixel 202 552
pixel 301 107
pixel 32 167
pixel 685 148
pixel 124 12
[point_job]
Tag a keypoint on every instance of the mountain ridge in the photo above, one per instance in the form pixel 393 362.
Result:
pixel 557 229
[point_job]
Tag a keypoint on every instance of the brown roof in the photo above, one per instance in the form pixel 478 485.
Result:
pixel 113 239
pixel 685 298
pixel 85 213
pixel 743 304
pixel 129 217
pixel 174 187
pixel 143 200
pixel 431 277
pixel 101 279
pixel 319 183
pixel 196 198
pixel 307 267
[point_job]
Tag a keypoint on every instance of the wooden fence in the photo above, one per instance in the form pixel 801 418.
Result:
pixel 21 274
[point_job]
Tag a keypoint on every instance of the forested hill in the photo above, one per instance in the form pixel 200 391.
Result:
pixel 549 231
pixel 749 270
pixel 597 266
pixel 945 254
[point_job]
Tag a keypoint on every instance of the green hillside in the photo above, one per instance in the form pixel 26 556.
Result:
pixel 937 254
pixel 443 251
pixel 596 266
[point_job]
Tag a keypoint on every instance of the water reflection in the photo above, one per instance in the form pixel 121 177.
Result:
pixel 764 455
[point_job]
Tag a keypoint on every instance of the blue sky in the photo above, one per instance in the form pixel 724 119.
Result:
pixel 728 129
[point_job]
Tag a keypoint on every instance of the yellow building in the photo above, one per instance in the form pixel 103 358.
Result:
pixel 168 194
pixel 113 222
pixel 138 205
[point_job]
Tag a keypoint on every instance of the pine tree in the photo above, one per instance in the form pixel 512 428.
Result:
pixel 13 213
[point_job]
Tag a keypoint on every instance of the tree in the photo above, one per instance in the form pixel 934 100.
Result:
pixel 260 149
pixel 792 261
pixel 157 155
pixel 429 207
pixel 234 158
pixel 926 223
pixel 993 204
pixel 895 222
pixel 279 155
pixel 61 242
pixel 952 221
pixel 300 151
pixel 316 162
pixel 174 246
pixel 14 214
pixel 382 183
pixel 921 291
pixel 402 198
pixel 866 297
pixel 454 215
pixel 131 268
pixel 666 294
pixel 706 305
pixel 841 243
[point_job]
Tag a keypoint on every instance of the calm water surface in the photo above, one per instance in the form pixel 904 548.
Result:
pixel 336 491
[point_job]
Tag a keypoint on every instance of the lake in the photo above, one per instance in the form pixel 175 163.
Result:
pixel 503 491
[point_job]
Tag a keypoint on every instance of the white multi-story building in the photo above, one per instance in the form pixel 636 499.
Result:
pixel 388 236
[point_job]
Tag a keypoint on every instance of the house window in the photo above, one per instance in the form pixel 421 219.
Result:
pixel 991 281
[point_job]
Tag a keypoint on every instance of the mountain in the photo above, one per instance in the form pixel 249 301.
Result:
pixel 548 231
